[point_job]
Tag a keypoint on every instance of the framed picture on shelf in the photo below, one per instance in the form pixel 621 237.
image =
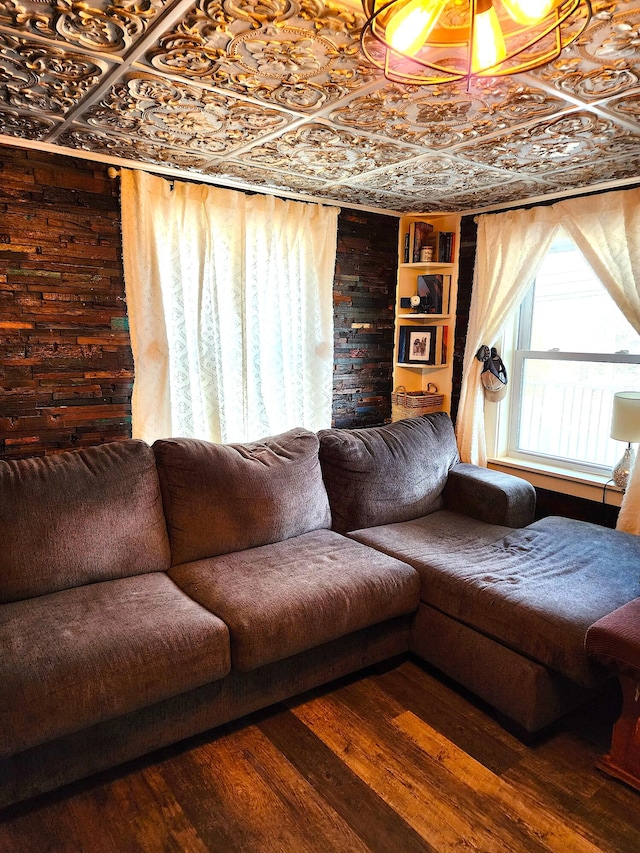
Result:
pixel 421 345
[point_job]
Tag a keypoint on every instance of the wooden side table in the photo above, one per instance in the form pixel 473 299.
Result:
pixel 615 640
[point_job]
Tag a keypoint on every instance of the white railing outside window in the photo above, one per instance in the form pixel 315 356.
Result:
pixel 574 350
pixel 568 420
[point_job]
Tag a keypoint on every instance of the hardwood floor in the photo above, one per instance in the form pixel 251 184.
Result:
pixel 397 762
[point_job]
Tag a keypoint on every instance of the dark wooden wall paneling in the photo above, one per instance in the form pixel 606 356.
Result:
pixel 66 368
pixel 466 264
pixel 364 300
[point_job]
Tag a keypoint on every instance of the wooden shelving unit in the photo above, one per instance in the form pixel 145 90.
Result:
pixel 415 377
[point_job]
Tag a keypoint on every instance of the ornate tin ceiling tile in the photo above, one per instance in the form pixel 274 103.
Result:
pixel 110 28
pixel 589 173
pixel 503 193
pixel 299 54
pixel 25 126
pixel 627 107
pixel 118 146
pixel 349 194
pixel 605 61
pixel 182 116
pixel 429 176
pixel 442 116
pixel 263 177
pixel 44 79
pixel 236 73
pixel 564 142
pixel 325 153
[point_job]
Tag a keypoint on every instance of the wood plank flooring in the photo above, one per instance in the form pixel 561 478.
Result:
pixel 396 762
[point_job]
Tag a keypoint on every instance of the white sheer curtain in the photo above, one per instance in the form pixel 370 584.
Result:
pixel 510 248
pixel 606 228
pixel 230 307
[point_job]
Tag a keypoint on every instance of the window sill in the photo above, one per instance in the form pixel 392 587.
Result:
pixel 588 486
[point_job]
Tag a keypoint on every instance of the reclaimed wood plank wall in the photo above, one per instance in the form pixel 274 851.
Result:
pixel 66 368
pixel 364 299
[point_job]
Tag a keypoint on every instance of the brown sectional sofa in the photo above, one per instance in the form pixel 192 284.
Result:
pixel 148 594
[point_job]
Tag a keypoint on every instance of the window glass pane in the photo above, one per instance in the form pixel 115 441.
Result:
pixel 572 311
pixel 566 408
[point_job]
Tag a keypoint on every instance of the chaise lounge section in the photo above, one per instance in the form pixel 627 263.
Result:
pixel 505 602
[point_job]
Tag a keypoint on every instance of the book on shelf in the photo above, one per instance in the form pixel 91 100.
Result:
pixel 434 291
pixel 419 235
pixel 442 243
pixel 422 345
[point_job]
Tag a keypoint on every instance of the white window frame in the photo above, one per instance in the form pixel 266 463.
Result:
pixel 502 420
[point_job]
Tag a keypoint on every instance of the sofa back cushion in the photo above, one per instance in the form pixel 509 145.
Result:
pixel 381 475
pixel 220 498
pixel 79 517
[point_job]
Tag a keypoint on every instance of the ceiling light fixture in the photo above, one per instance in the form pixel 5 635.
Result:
pixel 425 42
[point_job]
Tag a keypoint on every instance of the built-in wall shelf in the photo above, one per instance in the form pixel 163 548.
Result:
pixel 424 327
pixel 429 266
pixel 433 317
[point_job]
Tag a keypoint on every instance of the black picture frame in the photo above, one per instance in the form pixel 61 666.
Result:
pixel 417 344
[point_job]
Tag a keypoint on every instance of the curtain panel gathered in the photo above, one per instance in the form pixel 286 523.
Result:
pixel 510 248
pixel 230 304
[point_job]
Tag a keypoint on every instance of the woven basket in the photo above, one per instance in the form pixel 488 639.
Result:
pixel 412 404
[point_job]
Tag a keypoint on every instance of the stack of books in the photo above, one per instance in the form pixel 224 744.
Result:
pixel 442 243
pixel 415 239
pixel 420 235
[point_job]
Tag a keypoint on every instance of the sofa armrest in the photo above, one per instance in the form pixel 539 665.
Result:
pixel 489 495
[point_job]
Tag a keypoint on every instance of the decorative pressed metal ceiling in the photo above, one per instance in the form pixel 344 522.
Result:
pixel 275 95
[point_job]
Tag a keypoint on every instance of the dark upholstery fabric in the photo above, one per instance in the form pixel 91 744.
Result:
pixel 79 517
pixel 80 656
pixel 615 639
pixel 536 590
pixel 282 598
pixel 490 496
pixel 106 744
pixel 439 534
pixel 529 694
pixel 220 498
pixel 381 475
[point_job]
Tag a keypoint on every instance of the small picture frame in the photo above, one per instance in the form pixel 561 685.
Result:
pixel 420 345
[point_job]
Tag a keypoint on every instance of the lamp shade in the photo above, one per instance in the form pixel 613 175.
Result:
pixel 625 421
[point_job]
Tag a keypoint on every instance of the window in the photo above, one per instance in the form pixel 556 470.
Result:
pixel 574 350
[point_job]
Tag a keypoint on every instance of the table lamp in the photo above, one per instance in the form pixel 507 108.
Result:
pixel 625 426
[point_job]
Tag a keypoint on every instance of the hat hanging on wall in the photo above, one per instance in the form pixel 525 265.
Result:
pixel 494 374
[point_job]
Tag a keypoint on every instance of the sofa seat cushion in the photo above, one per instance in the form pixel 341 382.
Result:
pixel 227 497
pixel 437 535
pixel 382 475
pixel 80 517
pixel 536 589
pixel 84 655
pixel 283 598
